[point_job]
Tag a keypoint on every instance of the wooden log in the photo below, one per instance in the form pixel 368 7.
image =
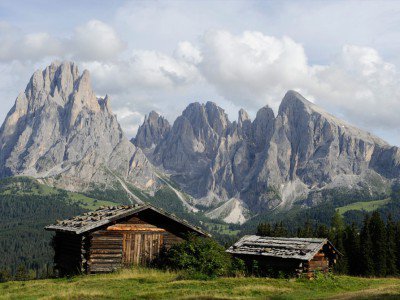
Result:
pixel 105 251
pixel 104 261
pixel 106 255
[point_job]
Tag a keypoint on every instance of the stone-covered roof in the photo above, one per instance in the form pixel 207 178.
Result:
pixel 107 214
pixel 294 248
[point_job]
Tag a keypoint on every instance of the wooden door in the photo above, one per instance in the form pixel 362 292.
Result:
pixel 141 248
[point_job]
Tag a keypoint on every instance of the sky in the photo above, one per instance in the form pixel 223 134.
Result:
pixel 162 55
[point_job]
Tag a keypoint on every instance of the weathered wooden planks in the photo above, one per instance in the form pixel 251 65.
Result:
pixel 132 240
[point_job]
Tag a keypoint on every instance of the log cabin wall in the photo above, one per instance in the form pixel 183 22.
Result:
pixel 173 232
pixel 271 266
pixel 135 240
pixel 320 263
pixel 67 253
pixel 105 251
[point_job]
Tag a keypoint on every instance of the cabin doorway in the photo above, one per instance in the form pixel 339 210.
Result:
pixel 141 248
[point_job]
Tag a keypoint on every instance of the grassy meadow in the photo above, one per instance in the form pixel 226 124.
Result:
pixel 367 206
pixel 155 284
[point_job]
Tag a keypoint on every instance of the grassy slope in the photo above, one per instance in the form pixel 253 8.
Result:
pixel 366 206
pixel 21 186
pixel 154 284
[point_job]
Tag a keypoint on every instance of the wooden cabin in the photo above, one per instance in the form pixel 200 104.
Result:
pixel 293 256
pixel 115 236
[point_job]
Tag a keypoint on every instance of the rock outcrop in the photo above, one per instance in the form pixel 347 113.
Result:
pixel 153 130
pixel 60 131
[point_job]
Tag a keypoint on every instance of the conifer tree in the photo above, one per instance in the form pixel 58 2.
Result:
pixel 398 246
pixel 264 229
pixel 280 230
pixel 352 248
pixel 337 234
pixel 366 262
pixel 307 230
pixel 322 231
pixel 4 275
pixel 378 237
pixel 21 273
pixel 391 251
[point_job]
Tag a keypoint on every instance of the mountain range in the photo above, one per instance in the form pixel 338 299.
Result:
pixel 61 133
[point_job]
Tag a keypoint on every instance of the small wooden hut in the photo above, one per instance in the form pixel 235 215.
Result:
pixel 115 236
pixel 289 255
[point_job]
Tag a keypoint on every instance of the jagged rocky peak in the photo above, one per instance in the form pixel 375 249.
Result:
pixel 244 123
pixel 263 127
pixel 243 117
pixel 206 116
pixel 57 79
pixel 293 98
pixel 59 130
pixel 152 131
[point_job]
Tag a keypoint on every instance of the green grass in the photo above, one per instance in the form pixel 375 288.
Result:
pixel 22 185
pixel 154 284
pixel 89 203
pixel 366 206
pixel 221 228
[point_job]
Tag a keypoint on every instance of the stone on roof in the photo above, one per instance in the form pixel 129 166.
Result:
pixel 107 214
pixel 294 248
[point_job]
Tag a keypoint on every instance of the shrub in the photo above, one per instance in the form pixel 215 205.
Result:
pixel 198 257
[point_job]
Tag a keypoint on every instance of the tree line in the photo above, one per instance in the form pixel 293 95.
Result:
pixel 370 250
pixel 24 244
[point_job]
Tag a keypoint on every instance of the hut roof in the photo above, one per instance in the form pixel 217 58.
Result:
pixel 294 248
pixel 107 214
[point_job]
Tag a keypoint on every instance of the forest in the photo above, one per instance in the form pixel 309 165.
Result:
pixel 372 250
pixel 365 240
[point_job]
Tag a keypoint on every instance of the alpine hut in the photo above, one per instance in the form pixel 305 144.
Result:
pixel 115 236
pixel 292 256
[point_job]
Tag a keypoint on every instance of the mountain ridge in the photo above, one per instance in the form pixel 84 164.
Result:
pixel 272 161
pixel 61 133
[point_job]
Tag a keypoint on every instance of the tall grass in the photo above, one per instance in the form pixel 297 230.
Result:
pixel 143 283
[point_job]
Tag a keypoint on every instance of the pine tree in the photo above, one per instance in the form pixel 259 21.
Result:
pixel 337 239
pixel 264 229
pixel 398 246
pixel 378 237
pixel 21 273
pixel 391 251
pixel 366 262
pixel 280 230
pixel 322 231
pixel 306 231
pixel 352 248
pixel 4 275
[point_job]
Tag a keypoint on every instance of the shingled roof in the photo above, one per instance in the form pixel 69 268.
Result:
pixel 107 214
pixel 295 248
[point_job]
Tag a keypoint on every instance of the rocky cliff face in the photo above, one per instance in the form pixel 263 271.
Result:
pixel 153 130
pixel 272 161
pixel 60 131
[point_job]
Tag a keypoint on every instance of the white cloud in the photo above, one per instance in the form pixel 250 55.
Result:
pixel 252 69
pixel 362 86
pixel 187 52
pixel 164 64
pixel 33 46
pixel 95 40
pixel 129 120
pixel 143 69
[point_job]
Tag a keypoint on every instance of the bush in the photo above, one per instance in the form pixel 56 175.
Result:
pixel 199 257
